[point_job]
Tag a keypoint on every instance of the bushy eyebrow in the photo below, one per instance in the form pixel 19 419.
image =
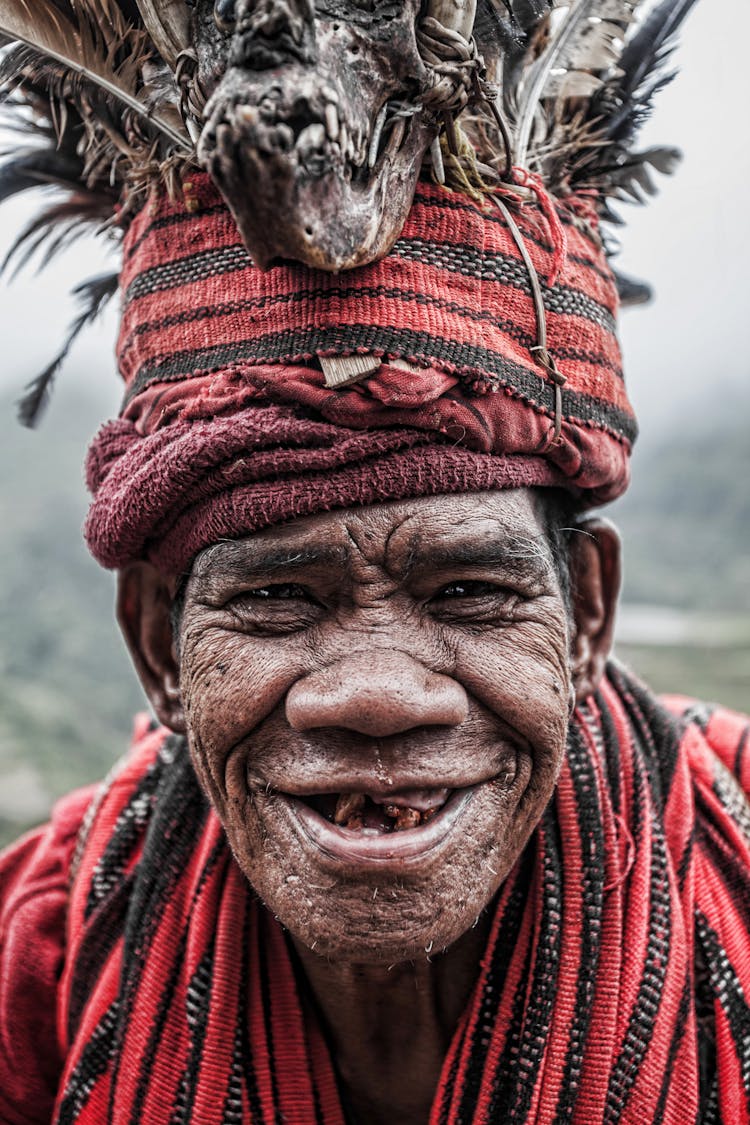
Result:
pixel 254 562
pixel 518 554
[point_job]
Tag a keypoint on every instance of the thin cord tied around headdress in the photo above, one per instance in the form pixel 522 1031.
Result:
pixel 560 243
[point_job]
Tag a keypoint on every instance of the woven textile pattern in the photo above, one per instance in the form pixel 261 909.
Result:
pixel 179 1000
pixel 212 348
pixel 454 295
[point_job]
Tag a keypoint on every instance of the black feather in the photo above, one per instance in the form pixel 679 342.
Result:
pixel 632 292
pixel 92 295
pixel 616 113
pixel 626 102
pixel 53 230
pixel 38 168
pixel 494 32
pixel 649 47
pixel 57 150
pixel 505 27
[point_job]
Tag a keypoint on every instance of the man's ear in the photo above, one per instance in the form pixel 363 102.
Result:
pixel 595 586
pixel 144 611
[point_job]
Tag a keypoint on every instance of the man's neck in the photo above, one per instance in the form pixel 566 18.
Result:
pixel 390 1027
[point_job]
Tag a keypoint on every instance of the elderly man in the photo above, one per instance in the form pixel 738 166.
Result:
pixel 402 843
pixel 403 847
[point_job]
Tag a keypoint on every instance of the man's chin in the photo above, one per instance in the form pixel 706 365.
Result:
pixel 381 898
pixel 354 924
pixel 383 940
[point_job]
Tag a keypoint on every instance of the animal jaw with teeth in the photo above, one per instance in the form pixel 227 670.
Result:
pixel 315 133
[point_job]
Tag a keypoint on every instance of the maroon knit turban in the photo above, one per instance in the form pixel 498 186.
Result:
pixel 227 425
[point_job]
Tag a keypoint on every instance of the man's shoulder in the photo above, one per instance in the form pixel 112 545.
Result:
pixel 36 867
pixel 34 874
pixel 35 871
pixel 725 732
pixel 38 857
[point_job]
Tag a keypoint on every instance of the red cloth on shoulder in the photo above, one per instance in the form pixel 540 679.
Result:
pixel 644 1013
pixel 34 877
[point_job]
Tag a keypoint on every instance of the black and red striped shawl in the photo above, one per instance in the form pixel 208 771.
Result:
pixel 614 987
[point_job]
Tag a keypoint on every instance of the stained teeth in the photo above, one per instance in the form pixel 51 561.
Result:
pixel 348 806
pixel 360 813
pixel 405 818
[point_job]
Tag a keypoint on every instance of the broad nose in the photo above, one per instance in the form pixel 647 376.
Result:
pixel 376 693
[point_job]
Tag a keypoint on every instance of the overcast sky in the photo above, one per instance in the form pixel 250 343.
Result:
pixel 692 243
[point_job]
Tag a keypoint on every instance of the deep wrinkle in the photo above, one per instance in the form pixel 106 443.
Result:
pixel 513 556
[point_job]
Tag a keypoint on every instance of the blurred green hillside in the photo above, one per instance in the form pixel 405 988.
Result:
pixel 67 693
pixel 685 523
pixel 686 517
pixel 686 530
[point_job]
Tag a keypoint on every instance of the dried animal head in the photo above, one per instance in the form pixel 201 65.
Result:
pixel 314 116
pixel 316 131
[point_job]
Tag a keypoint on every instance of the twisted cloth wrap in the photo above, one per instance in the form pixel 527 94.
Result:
pixel 614 987
pixel 227 426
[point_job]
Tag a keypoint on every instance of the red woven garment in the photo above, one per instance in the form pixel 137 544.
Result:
pixel 227 425
pixel 179 1001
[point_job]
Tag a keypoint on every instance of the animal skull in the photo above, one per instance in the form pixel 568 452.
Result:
pixel 315 129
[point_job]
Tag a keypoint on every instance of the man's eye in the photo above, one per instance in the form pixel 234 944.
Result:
pixel 474 602
pixel 471 589
pixel 278 598
pixel 285 591
pixel 281 607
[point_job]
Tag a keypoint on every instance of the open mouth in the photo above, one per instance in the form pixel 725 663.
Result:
pixel 315 133
pixel 373 815
pixel 372 828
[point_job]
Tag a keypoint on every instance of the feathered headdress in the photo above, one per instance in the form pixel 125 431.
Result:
pixel 316 127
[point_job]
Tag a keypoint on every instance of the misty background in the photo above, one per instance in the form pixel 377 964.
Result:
pixel 67 693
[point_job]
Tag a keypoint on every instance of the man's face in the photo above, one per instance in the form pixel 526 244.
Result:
pixel 377 702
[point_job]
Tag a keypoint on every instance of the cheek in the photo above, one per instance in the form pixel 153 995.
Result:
pixel 228 686
pixel 521 674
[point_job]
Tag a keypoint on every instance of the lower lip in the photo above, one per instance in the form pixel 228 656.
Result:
pixel 407 845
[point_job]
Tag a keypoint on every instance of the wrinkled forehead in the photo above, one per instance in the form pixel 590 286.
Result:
pixel 486 528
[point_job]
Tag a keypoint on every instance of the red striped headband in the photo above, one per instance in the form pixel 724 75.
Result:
pixel 228 425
